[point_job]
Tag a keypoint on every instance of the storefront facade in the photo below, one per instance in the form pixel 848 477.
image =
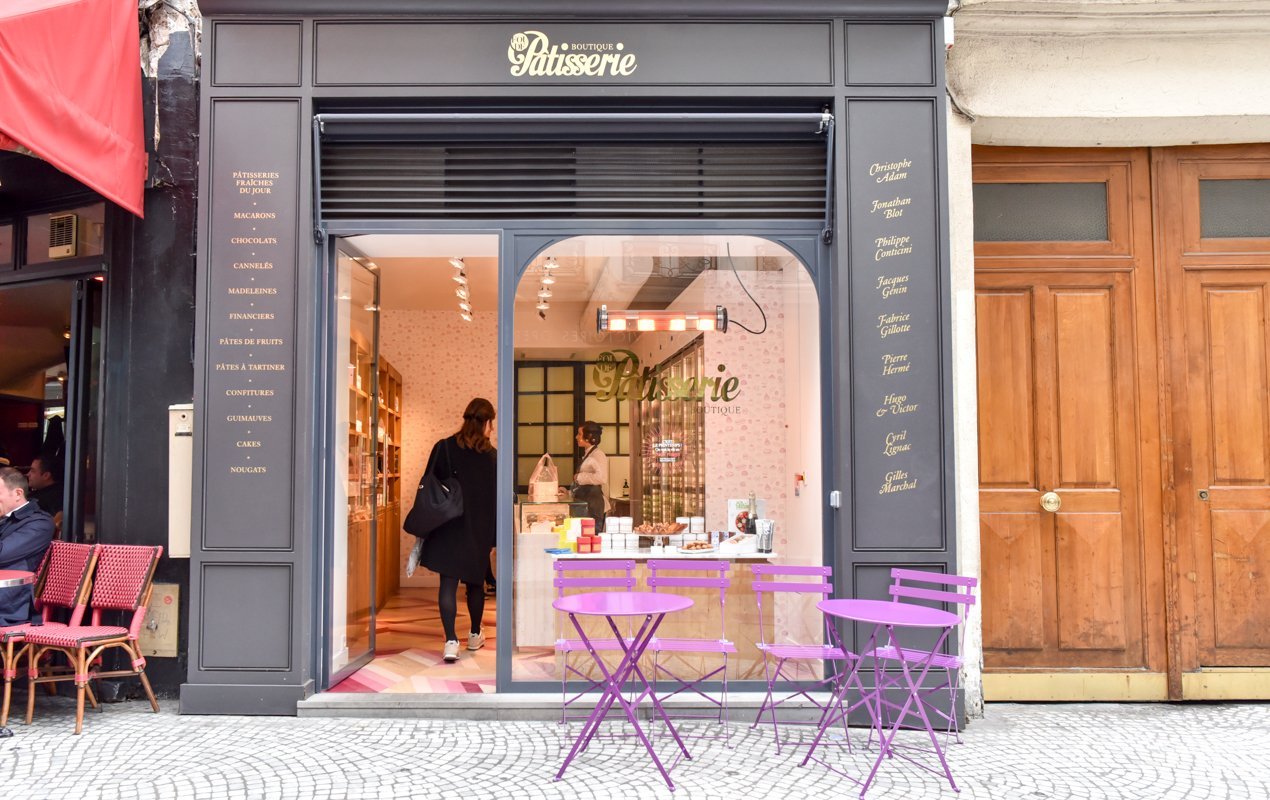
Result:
pixel 841 103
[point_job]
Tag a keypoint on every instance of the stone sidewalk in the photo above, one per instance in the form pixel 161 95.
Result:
pixel 1018 752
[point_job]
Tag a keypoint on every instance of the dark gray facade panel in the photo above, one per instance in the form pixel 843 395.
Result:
pixel 531 53
pixel 245 699
pixel 890 54
pixel 253 618
pixel 247 452
pixel 897 327
pixel 546 9
pixel 257 54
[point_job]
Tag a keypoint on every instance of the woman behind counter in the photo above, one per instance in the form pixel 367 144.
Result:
pixel 459 550
pixel 590 482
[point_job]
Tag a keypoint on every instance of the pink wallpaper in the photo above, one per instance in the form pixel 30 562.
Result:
pixel 444 362
pixel 745 438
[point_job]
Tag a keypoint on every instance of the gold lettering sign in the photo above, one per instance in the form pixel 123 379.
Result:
pixel 618 376
pixel 532 54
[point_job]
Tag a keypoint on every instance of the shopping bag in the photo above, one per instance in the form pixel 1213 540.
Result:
pixel 412 562
pixel 544 481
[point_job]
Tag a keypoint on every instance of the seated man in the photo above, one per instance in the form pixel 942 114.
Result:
pixel 45 479
pixel 25 533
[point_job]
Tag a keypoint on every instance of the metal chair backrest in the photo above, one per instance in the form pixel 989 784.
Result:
pixel 63 579
pixel 961 595
pixel 579 574
pixel 123 582
pixel 821 587
pixel 716 578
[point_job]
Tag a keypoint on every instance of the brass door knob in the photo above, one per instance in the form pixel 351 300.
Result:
pixel 1051 502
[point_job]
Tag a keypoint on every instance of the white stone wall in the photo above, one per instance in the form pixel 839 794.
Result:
pixel 1113 73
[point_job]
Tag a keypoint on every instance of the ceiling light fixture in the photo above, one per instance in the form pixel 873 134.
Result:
pixel 466 316
pixel 544 293
pixel 548 279
pixel 465 306
pixel 462 293
pixel 650 320
pixel 550 264
pixel 456 262
pixel 461 278
pixel 542 305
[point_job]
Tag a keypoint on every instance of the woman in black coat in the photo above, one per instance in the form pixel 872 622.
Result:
pixel 459 550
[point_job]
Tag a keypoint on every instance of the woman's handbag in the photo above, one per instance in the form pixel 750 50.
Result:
pixel 437 501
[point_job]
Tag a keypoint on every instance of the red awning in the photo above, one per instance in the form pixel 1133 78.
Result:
pixel 70 91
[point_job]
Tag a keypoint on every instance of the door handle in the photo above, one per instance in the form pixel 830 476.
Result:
pixel 1051 502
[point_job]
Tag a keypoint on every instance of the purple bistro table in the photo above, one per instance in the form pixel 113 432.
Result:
pixel 886 616
pixel 610 605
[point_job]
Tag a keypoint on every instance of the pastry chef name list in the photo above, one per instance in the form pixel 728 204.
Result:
pixel 891 249
pixel 251 346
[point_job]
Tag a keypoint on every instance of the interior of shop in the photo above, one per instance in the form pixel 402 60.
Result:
pixel 689 364
pixel 418 346
pixel 35 342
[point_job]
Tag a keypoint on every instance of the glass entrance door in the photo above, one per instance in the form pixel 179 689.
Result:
pixel 357 477
pixel 83 412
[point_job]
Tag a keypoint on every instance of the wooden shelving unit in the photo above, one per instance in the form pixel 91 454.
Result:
pixel 388 456
pixel 374 452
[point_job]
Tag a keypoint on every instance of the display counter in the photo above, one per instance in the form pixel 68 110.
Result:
pixel 645 554
pixel 537 626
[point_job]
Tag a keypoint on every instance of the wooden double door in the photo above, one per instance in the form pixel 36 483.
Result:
pixel 1124 422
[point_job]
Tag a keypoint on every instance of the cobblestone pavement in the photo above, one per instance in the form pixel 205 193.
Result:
pixel 1019 752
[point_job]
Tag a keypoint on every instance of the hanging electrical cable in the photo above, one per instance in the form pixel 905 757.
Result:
pixel 732 264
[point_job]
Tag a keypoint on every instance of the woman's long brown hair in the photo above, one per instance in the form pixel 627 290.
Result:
pixel 472 435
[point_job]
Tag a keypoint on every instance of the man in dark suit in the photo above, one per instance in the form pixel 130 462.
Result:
pixel 25 533
pixel 44 483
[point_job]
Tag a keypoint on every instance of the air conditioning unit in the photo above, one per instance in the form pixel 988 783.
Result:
pixel 63 235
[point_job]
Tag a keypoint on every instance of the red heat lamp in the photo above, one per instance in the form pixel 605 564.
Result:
pixel 640 321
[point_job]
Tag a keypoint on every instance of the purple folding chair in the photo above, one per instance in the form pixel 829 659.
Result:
pixel 792 653
pixel 960 595
pixel 581 574
pixel 715 577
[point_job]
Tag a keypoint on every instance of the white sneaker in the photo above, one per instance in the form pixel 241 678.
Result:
pixel 451 653
pixel 476 641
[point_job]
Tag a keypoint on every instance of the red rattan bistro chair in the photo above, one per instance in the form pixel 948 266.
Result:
pixel 61 585
pixel 123 582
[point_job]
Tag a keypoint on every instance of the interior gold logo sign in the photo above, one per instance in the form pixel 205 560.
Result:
pixel 532 54
pixel 618 376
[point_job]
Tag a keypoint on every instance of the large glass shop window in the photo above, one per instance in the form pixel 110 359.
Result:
pixel 695 362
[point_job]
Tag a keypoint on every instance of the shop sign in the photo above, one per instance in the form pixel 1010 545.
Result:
pixel 532 53
pixel 618 376
pixel 667 451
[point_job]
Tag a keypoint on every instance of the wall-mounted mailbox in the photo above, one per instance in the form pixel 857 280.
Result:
pixel 180 478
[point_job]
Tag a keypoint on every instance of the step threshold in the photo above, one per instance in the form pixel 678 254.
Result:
pixel 525 706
